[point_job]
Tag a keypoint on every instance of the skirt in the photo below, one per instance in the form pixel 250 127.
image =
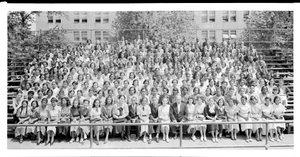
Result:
pixel 280 125
pixel 271 126
pixel 245 126
pixel 154 128
pixel 74 128
pixel 106 126
pixel 165 126
pixel 199 120
pixel 20 130
pixel 230 127
pixel 41 129
pixel 85 129
pixel 191 126
pixel 212 127
pixel 97 128
pixel 119 128
pixel 31 129
pixel 144 128
pixel 63 129
pixel 222 126
pixel 255 127
pixel 52 128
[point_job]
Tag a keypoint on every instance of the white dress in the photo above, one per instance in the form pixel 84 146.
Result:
pixel 244 110
pixel 279 110
pixel 199 114
pixel 267 110
pixel 163 114
pixel 144 111
pixel 190 116
pixel 255 114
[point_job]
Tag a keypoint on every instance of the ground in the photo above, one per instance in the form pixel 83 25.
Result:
pixel 186 142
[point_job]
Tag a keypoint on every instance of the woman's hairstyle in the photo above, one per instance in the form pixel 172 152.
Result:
pixel 275 98
pixel 45 99
pixel 268 98
pixel 120 96
pixel 95 102
pixel 106 100
pixel 37 104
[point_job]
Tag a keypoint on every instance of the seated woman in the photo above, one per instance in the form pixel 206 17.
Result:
pixel 221 116
pixel 42 119
pixel 164 116
pixel 279 110
pixel 267 112
pixel 106 113
pixel 256 115
pixel 64 118
pixel 23 113
pixel 120 111
pixel 53 118
pixel 33 119
pixel 154 105
pixel 143 112
pixel 75 116
pixel 231 114
pixel 199 117
pixel 211 113
pixel 84 119
pixel 190 118
pixel 95 117
pixel 17 103
pixel 244 110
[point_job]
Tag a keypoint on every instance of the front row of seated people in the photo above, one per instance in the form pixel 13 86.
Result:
pixel 149 111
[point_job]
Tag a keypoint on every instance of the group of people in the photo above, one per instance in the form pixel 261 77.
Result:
pixel 154 81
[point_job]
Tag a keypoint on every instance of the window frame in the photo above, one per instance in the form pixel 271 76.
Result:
pixel 210 15
pixel 78 35
pixel 233 16
pixel 82 37
pixel 225 15
pixel 52 19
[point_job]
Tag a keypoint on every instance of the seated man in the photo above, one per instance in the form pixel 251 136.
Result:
pixel 177 112
pixel 132 118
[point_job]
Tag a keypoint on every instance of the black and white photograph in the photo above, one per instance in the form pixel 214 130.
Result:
pixel 200 79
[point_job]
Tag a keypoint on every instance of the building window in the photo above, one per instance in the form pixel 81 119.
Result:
pixel 105 35
pixel 98 17
pixel 232 16
pixel 212 35
pixel 98 35
pixel 233 32
pixel 76 36
pixel 204 35
pixel 225 16
pixel 225 34
pixel 76 17
pixel 204 16
pixel 84 17
pixel 50 19
pixel 58 19
pixel 246 15
pixel 212 16
pixel 83 35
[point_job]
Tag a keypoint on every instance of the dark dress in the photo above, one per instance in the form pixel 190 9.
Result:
pixel 154 114
pixel 212 112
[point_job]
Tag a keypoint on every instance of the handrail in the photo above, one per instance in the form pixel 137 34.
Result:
pixel 180 124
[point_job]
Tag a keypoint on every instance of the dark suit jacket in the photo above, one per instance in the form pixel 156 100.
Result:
pixel 132 112
pixel 154 111
pixel 174 115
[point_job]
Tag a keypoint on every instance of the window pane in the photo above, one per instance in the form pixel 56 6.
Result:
pixel 204 16
pixel 98 19
pixel 106 20
pixel 76 36
pixel 98 35
pixel 83 35
pixel 225 16
pixel 246 15
pixel 105 35
pixel 233 16
pixel 204 35
pixel 212 16
pixel 84 20
pixel 50 19
pixel 212 35
pixel 58 20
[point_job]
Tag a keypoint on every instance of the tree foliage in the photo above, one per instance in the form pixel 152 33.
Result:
pixel 153 24
pixel 21 39
pixel 278 32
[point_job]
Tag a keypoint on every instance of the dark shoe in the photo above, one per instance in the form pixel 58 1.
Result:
pixel 157 140
pixel 122 138
pixel 149 141
pixel 137 139
pixel 21 141
pixel 105 141
pixel 128 139
pixel 175 137
pixel 97 143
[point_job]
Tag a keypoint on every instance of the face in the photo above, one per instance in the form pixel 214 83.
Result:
pixel 44 103
pixel 190 101
pixel 53 103
pixel 122 99
pixel 277 100
pixel 165 101
pixel 144 102
pixel 97 103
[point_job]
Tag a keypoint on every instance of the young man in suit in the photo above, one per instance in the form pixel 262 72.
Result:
pixel 132 116
pixel 177 115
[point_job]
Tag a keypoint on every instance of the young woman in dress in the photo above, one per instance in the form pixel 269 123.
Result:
pixel 256 115
pixel 43 115
pixel 190 117
pixel 279 110
pixel 154 105
pixel 211 113
pixel 200 117
pixel 120 111
pixel 75 117
pixel 33 119
pixel 53 118
pixel 143 112
pixel 64 119
pixel 221 116
pixel 231 111
pixel 23 113
pixel 164 116
pixel 106 113
pixel 17 103
pixel 267 111
pixel 244 110
pixel 84 119
pixel 95 117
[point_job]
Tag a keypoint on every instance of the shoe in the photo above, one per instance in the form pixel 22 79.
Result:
pixel 175 137
pixel 193 138
pixel 271 139
pixel 216 139
pixel 164 138
pixel 276 139
pixel 97 142
pixel 247 141
pixel 122 138
pixel 106 140
pixel 213 139
pixel 77 139
pixel 156 139
pixel 250 140
pixel 201 139
pixel 81 141
pixel 21 141
pixel 167 140
pixel 72 140
pixel 149 141
pixel 128 139
pixel 280 138
pixel 137 139
pixel 204 139
pixel 144 140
